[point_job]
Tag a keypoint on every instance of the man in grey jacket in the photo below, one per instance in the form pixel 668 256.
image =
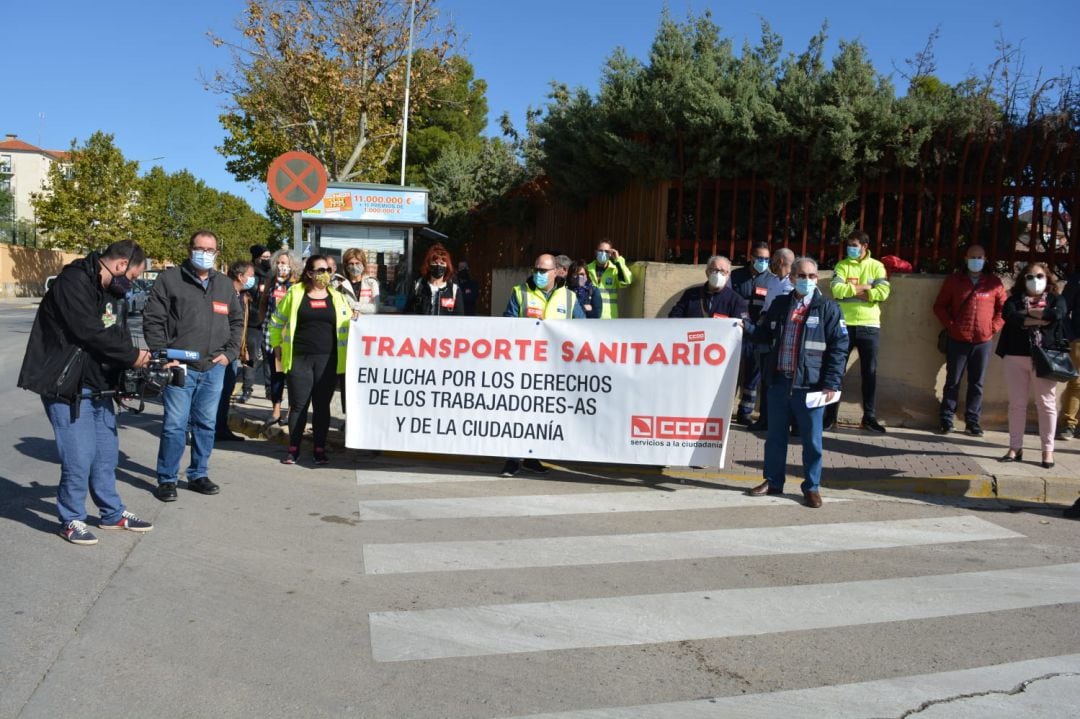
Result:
pixel 192 307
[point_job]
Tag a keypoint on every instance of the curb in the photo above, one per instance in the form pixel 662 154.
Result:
pixel 1034 490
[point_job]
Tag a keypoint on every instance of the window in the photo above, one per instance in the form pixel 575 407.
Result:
pixel 5 164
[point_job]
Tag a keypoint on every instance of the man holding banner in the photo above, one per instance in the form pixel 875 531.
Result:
pixel 807 343
pixel 544 296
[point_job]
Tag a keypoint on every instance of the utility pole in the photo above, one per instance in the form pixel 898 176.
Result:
pixel 408 80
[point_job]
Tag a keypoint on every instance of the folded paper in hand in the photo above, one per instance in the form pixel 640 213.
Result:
pixel 817 399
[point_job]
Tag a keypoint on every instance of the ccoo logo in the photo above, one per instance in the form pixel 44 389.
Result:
pixel 692 428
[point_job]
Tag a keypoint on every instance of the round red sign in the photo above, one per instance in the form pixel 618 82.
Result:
pixel 296 180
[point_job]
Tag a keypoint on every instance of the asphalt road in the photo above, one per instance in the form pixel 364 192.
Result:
pixel 401 588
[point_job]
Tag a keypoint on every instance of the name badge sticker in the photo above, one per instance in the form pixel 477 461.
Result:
pixel 812 321
pixel 318 304
pixel 221 308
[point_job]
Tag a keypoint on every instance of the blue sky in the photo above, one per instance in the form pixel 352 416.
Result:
pixel 132 68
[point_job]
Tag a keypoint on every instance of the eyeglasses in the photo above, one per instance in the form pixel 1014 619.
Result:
pixel 317 270
pixel 207 250
pixel 544 269
pixel 1035 277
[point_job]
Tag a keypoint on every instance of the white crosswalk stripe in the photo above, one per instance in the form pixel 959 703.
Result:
pixel 547 505
pixel 660 546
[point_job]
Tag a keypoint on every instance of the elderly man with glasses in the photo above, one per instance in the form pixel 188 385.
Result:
pixel 807 341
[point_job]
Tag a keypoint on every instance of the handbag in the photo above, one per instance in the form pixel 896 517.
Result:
pixel 1053 363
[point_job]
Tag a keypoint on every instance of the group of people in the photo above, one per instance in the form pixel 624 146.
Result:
pixel 286 324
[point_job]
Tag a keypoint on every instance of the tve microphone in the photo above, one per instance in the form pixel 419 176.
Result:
pixel 181 355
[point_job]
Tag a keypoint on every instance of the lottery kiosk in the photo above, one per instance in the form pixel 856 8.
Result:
pixel 379 219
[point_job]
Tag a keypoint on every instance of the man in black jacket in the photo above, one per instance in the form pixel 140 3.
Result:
pixel 192 307
pixel 79 344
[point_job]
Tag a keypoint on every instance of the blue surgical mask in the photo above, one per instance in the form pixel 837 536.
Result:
pixel 805 286
pixel 975 264
pixel 601 257
pixel 854 252
pixel 761 265
pixel 249 282
pixel 202 260
pixel 540 279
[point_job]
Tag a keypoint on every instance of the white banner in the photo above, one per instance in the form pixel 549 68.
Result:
pixel 623 391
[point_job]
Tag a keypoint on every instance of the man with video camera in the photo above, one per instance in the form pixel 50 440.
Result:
pixel 79 345
pixel 193 308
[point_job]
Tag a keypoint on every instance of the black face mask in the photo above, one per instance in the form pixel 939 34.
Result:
pixel 264 265
pixel 436 271
pixel 120 283
pixel 572 282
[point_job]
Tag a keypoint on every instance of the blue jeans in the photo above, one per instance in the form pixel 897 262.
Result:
pixel 89 449
pixel 785 404
pixel 196 401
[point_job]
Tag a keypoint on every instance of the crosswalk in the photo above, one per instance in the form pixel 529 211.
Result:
pixel 612 622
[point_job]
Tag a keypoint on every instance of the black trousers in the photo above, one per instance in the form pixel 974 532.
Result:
pixel 974 358
pixel 312 381
pixel 866 340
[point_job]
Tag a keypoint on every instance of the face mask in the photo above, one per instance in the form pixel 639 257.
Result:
pixel 321 279
pixel 436 271
pixel 1036 286
pixel 202 260
pixel 760 265
pixel 717 280
pixel 805 286
pixel 601 257
pixel 540 279
pixel 119 284
pixel 573 281
pixel 354 270
pixel 249 282
pixel 284 271
pixel 854 253
pixel 975 264
pixel 264 265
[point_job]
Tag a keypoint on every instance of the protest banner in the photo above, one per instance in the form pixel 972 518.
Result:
pixel 656 392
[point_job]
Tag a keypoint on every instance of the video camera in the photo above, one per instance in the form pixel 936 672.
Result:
pixel 150 381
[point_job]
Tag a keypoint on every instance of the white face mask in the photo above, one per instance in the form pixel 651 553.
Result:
pixel 717 280
pixel 1036 286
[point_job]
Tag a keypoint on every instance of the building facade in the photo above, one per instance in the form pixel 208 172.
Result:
pixel 24 170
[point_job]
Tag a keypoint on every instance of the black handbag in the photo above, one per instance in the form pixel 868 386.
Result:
pixel 1053 363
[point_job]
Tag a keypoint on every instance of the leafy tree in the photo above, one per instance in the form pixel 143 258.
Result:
pixel 89 197
pixel 328 77
pixel 173 206
pixel 7 202
pixel 463 179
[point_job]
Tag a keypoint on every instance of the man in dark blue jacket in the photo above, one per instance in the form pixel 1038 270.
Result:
pixel 807 343
pixel 715 298
pixel 751 282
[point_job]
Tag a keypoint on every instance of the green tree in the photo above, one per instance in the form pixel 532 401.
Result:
pixel 463 179
pixel 328 77
pixel 89 198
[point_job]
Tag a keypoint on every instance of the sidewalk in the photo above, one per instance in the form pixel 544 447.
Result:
pixel 904 461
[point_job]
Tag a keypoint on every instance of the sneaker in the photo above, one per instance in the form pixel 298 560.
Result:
pixel 869 423
pixel 973 429
pixel 77 532
pixel 291 456
pixel 243 397
pixel 129 522
pixel 1065 434
pixel 534 466
pixel 510 468
pixel 320 457
pixel 945 427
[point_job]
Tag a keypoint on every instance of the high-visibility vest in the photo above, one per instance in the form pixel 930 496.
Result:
pixel 533 303
pixel 608 283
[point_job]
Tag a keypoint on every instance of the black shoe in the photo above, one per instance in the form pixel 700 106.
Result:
pixel 1018 457
pixel 945 427
pixel 758 426
pixel 973 429
pixel 534 466
pixel 743 419
pixel 1072 512
pixel 828 426
pixel 243 397
pixel 166 491
pixel 510 468
pixel 794 430
pixel 871 424
pixel 202 485
pixel 228 437
pixel 1047 465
